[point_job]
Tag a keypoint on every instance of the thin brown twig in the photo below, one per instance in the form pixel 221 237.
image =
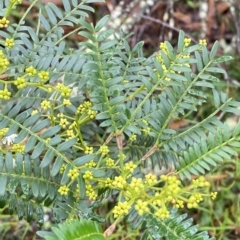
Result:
pixel 235 10
pixel 167 25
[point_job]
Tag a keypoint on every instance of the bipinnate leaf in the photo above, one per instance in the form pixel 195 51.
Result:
pixel 177 227
pixel 74 230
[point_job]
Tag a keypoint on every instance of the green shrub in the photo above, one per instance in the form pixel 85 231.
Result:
pixel 81 126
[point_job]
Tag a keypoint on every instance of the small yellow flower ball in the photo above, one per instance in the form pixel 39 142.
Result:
pixel 45 104
pixel 73 173
pixel 203 42
pixel 66 102
pixel 63 190
pixel 63 123
pixel 9 43
pixel 4 22
pixel 31 71
pixel 104 150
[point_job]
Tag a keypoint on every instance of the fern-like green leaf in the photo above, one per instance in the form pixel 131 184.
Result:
pixel 200 157
pixel 73 230
pixel 177 227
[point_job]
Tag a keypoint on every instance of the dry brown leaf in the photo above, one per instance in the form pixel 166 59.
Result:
pixel 222 7
pixel 178 124
pixel 182 17
pixel 194 26
pixel 210 16
pixel 57 2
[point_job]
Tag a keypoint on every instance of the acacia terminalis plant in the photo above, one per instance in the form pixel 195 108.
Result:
pixel 78 127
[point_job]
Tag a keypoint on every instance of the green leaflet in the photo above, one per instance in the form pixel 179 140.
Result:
pixel 3 183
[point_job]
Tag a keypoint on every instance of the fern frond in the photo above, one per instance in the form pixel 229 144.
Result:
pixel 34 175
pixel 46 50
pixel 24 186
pixel 211 123
pixel 177 227
pixel 73 230
pixel 110 74
pixel 215 149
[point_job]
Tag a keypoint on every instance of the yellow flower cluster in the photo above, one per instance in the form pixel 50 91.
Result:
pixel 145 122
pixel 136 186
pixel 121 156
pixel 90 192
pixel 87 107
pixel 52 118
pixel 70 134
pixel 162 213
pixel 62 169
pixel 141 207
pixel 133 137
pixel 4 22
pixel 177 203
pixel 119 182
pixel 172 185
pixel 171 193
pixel 107 182
pixel 84 107
pixel 184 56
pixel 203 42
pixel 64 90
pixel 20 82
pixel 18 148
pixel 63 190
pixel 129 167
pixel 104 150
pixel 72 126
pixel 150 179
pixel 5 94
pixel 88 175
pixel 3 132
pixel 63 123
pixel 147 129
pixel 45 104
pixel 163 47
pixel 200 182
pixel 60 115
pixel 214 195
pixel 109 163
pixel 121 209
pixel 73 173
pixel 66 102
pixel 9 43
pixel 44 76
pixel 3 62
pixel 85 113
pixel 90 164
pixel 34 112
pixel 92 114
pixel 187 42
pixel 77 192
pixel 31 71
pixel 194 200
pixel 88 150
